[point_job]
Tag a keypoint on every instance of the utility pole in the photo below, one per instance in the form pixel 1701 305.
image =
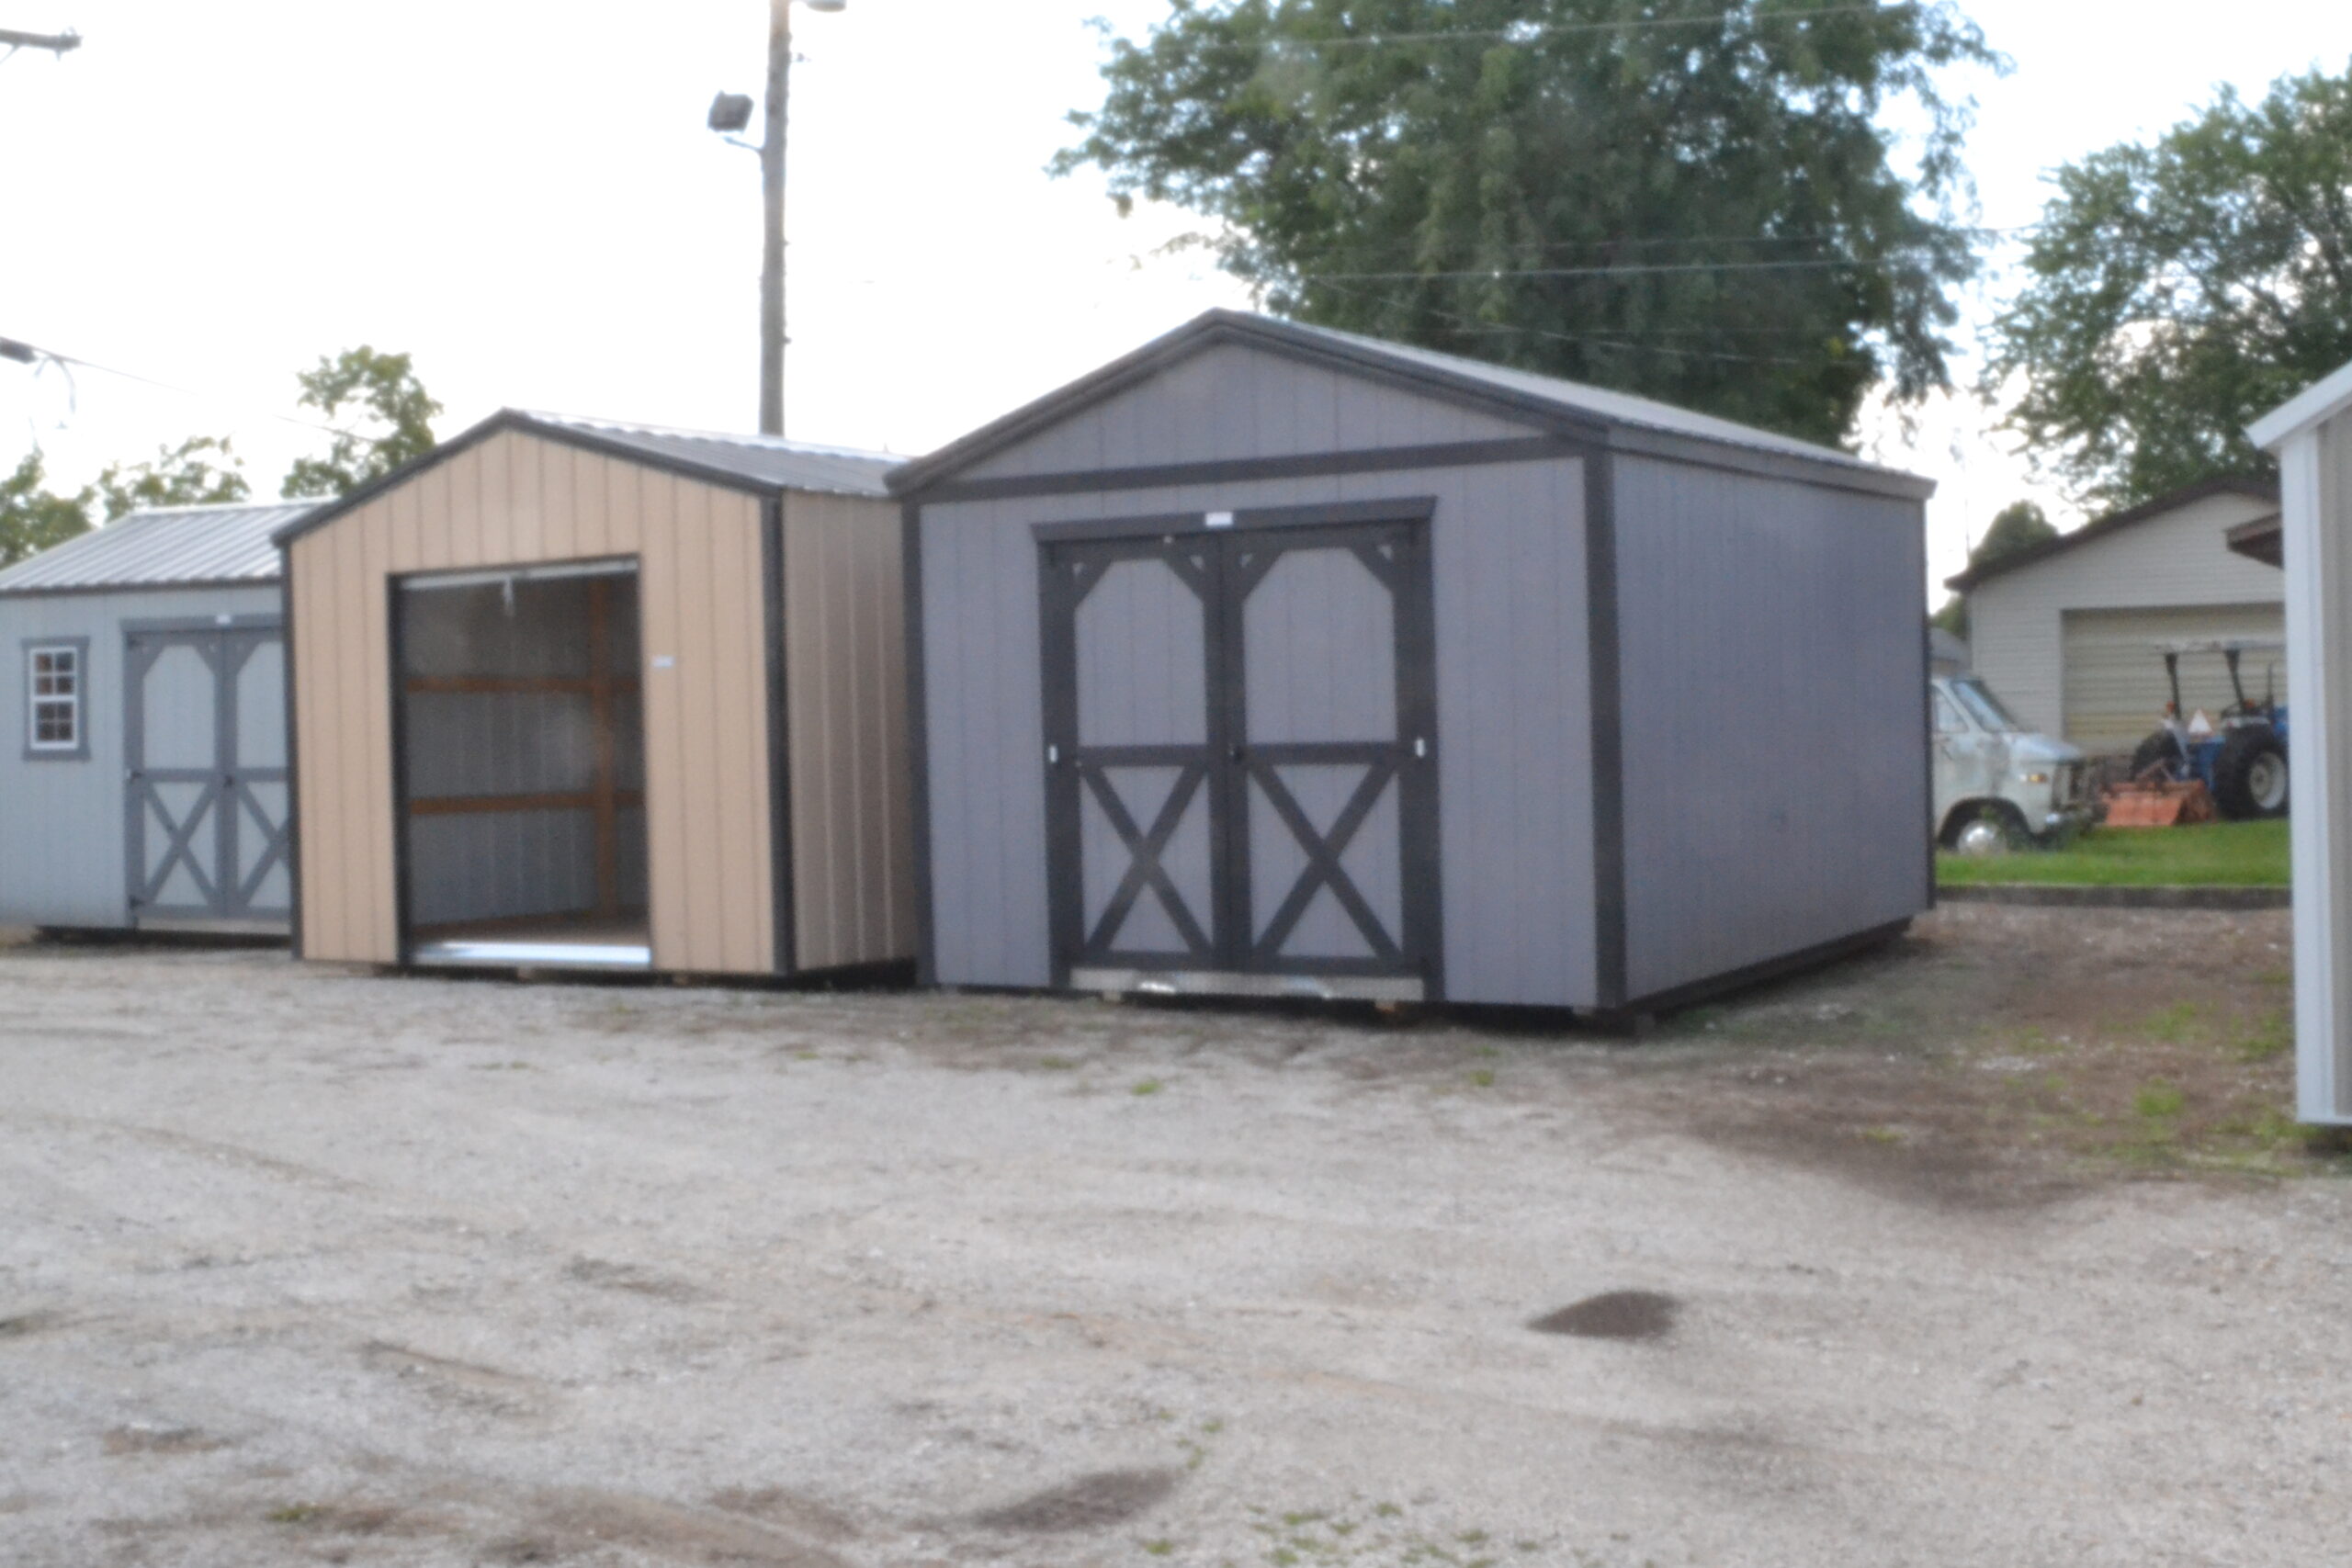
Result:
pixel 771 329
pixel 58 44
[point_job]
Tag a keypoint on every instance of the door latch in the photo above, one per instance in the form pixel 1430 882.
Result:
pixel 1421 746
pixel 1053 756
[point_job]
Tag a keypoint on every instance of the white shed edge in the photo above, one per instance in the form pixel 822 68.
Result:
pixel 2314 562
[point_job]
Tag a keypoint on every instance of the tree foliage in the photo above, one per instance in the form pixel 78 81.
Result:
pixel 1705 212
pixel 185 475
pixel 32 517
pixel 2178 290
pixel 395 420
pixel 2019 525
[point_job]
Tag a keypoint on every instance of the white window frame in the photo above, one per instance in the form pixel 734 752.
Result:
pixel 75 698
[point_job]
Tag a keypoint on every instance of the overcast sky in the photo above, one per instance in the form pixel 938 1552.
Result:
pixel 522 194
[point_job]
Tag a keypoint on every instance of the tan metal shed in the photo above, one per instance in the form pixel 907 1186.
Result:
pixel 566 691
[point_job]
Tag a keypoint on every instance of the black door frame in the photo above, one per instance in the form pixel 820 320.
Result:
pixel 226 787
pixel 1229 760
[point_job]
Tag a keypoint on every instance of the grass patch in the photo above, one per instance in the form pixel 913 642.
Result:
pixel 2212 855
pixel 1149 1085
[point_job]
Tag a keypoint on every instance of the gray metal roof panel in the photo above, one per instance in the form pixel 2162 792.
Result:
pixel 1539 397
pixel 163 547
pixel 767 459
pixel 1600 402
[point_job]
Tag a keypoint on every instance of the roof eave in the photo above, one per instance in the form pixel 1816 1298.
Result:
pixel 2315 405
pixel 2229 484
pixel 1212 327
pixel 518 419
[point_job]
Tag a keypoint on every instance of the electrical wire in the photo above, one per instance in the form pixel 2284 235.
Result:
pixel 32 354
pixel 1526 32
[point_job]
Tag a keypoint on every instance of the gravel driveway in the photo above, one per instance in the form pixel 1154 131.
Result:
pixel 302 1265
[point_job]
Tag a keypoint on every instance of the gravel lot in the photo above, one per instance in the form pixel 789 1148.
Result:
pixel 304 1266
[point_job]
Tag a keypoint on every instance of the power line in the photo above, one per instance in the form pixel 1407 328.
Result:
pixel 24 353
pixel 1527 32
pixel 1633 269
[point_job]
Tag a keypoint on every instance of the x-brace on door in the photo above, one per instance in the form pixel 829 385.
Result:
pixel 1241 769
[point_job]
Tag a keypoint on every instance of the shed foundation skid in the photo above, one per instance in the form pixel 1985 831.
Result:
pixel 1273 661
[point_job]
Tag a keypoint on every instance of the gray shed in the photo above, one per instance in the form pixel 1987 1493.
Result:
pixel 143 781
pixel 1275 660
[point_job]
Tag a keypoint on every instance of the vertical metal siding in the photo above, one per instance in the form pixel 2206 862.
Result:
pixel 1234 403
pixel 62 822
pixel 2016 634
pixel 705 715
pixel 846 702
pixel 1773 676
pixel 1514 746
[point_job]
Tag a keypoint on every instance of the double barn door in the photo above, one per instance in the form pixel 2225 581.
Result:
pixel 1241 759
pixel 207 813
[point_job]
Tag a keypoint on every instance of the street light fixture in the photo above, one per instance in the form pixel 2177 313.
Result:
pixel 730 112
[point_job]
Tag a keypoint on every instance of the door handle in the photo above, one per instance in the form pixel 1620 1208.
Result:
pixel 1236 752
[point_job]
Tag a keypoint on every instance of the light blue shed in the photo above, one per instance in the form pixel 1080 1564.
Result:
pixel 143 781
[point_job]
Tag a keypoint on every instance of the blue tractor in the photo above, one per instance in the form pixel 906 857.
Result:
pixel 2244 761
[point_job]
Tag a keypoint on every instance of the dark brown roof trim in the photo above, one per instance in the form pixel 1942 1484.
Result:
pixel 2247 485
pixel 916 480
pixel 2261 539
pixel 515 420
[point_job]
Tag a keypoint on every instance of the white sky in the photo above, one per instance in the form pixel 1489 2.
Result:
pixel 522 194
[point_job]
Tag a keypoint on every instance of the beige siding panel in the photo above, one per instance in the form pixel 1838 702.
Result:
pixel 2016 631
pixel 845 659
pixel 516 500
pixel 2116 686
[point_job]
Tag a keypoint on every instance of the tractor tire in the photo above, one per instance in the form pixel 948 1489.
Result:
pixel 2157 747
pixel 2250 775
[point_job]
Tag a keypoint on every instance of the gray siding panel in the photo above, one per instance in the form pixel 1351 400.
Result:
pixel 1238 402
pixel 1773 671
pixel 1514 744
pixel 62 822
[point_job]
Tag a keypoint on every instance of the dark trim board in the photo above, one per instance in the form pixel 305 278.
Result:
pixel 918 744
pixel 1391 365
pixel 780 887
pixel 1603 644
pixel 1680 998
pixel 396 694
pixel 499 424
pixel 1396 509
pixel 263 622
pixel 1242 470
pixel 293 785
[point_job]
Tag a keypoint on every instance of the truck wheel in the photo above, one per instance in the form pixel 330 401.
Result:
pixel 1990 831
pixel 2250 777
pixel 2157 747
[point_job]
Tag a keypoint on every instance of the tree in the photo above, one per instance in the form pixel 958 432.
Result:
pixel 1705 211
pixel 2019 525
pixel 185 474
pixel 399 413
pixel 2177 291
pixel 32 517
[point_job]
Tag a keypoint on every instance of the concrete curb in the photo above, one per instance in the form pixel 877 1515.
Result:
pixel 2050 894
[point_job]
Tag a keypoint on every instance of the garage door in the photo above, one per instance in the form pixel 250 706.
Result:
pixel 2116 688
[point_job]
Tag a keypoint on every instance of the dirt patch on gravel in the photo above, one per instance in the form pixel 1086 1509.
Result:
pixel 126 1440
pixel 1616 1314
pixel 1090 1503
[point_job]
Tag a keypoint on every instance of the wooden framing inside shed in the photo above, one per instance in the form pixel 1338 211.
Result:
pixel 575 693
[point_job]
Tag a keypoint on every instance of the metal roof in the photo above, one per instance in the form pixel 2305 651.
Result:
pixel 1576 397
pixel 769 459
pixel 1544 397
pixel 761 463
pixel 164 546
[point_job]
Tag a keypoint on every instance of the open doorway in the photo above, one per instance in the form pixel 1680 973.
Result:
pixel 521 767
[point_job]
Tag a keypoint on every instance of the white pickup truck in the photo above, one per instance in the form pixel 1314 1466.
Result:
pixel 1999 785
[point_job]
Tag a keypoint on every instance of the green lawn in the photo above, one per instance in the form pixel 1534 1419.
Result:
pixel 2215 855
